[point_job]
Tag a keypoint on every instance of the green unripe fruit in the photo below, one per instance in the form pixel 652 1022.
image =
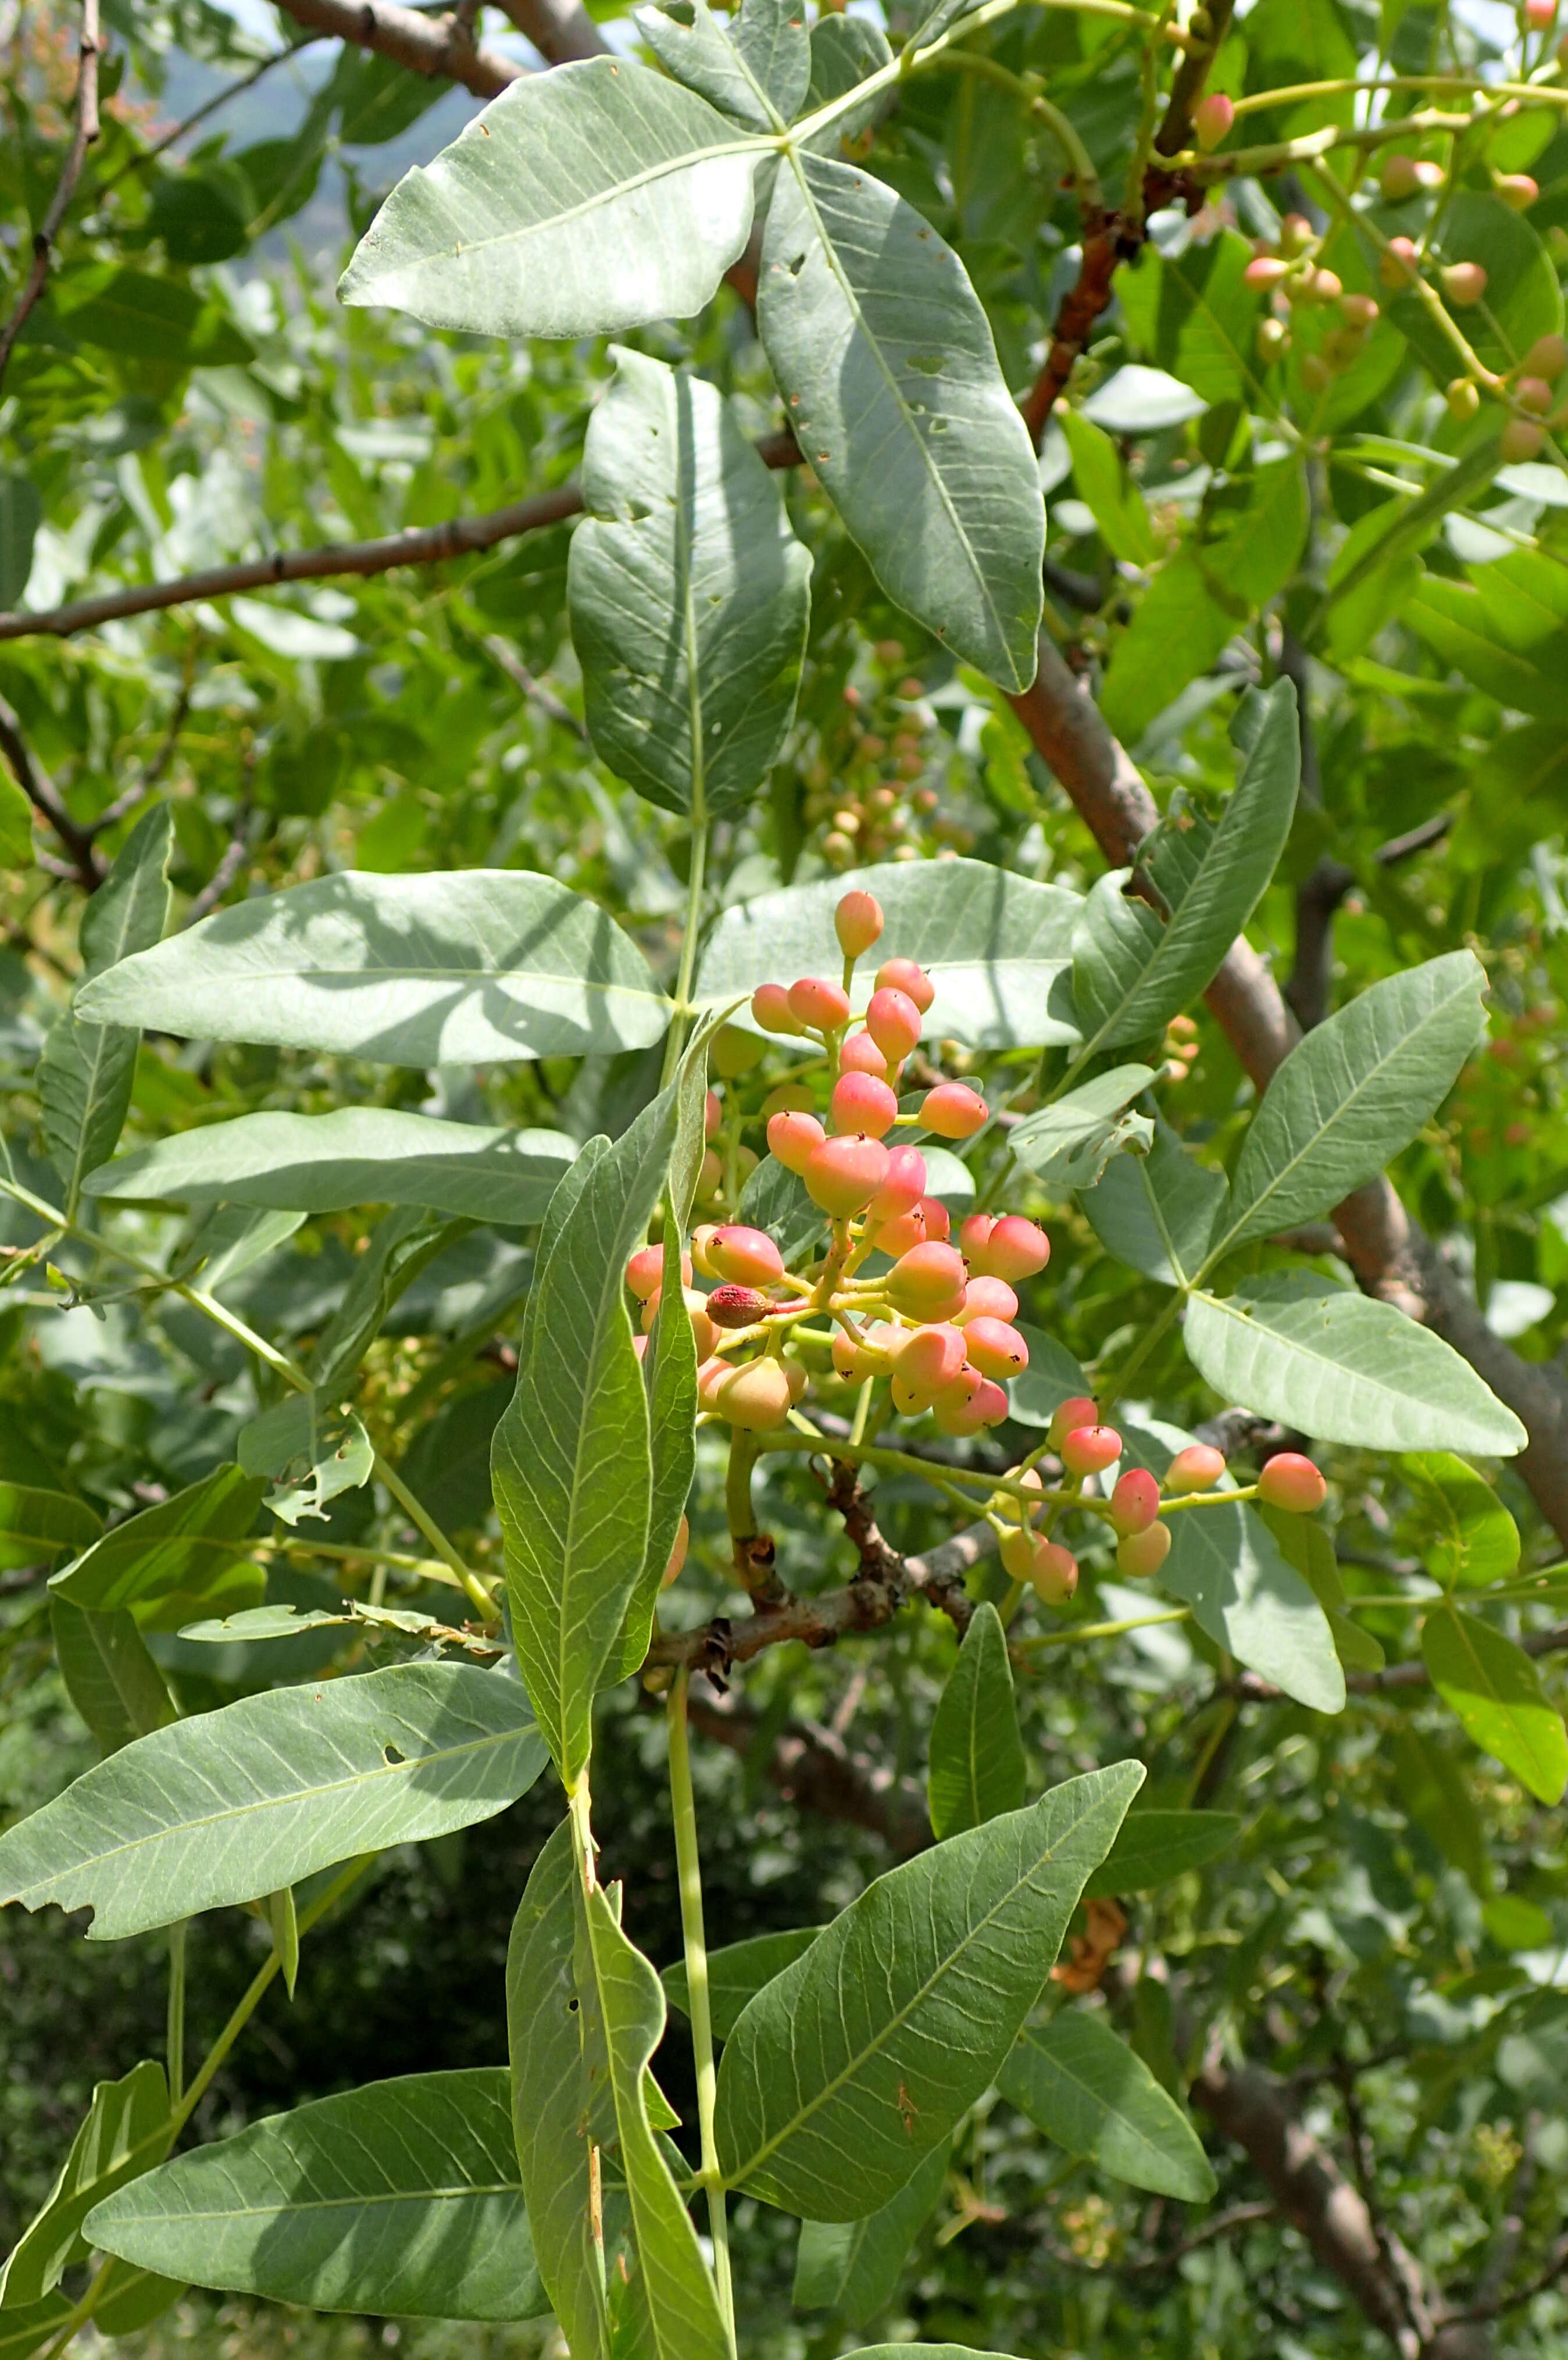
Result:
pixel 1463 399
pixel 1144 1553
pixel 755 1396
pixel 734 1053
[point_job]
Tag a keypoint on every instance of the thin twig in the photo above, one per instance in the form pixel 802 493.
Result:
pixel 507 660
pixel 138 163
pixel 228 867
pixel 84 132
pixel 46 798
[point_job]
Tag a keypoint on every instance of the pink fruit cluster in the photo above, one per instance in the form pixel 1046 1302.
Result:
pixel 1287 270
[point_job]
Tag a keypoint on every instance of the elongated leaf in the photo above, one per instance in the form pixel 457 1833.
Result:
pixel 552 2099
pixel 1495 1691
pixel 172 1559
pixel 683 2303
pixel 690 595
pixel 738 1972
pixel 853 2266
pixel 1343 1367
pixel 571 1460
pixel 25 2326
pixel 127 2128
pixel 1087 2090
pixel 1352 1093
pixel 400 2199
pixel 755 69
pixel 1438 1795
pixel 855 2062
pixel 356 1156
pixel 1132 970
pixel 579 202
pixel 996 948
pixel 37 1526
pixel 1113 499
pixel 1468 1537
pixel 232 1804
pixel 313 1453
pixel 1153 1848
pixel 891 382
pixel 1157 1212
pixel 476 965
pixel 976 1753
pixel 1070 1142
pixel 109 1676
pixel 87 1069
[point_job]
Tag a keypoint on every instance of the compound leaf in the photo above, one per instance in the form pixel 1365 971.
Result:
pixel 976 1754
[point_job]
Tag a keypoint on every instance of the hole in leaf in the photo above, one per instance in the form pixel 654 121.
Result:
pixel 394 1758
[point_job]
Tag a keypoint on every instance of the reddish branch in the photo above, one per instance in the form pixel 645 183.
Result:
pixel 84 131
pixel 426 45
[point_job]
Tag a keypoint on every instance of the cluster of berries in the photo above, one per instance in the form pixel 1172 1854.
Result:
pixel 1087 1448
pixel 868 786
pixel 1289 271
pixel 1532 383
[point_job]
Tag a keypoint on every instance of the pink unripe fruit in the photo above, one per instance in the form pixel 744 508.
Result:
pixel 1212 120
pixel 1296 234
pixel 924 1365
pixel 1517 189
pixel 1327 286
pixel 972 1240
pixel 702 1237
pixel 791 1137
pixel 1403 175
pixel 1135 1502
pixel 857 922
pixel 902 1189
pixel 770 1009
pixel 737 1306
pixel 1090 1448
pixel 645 1271
pixel 1291 1483
pixel 639 1346
pixel 1145 1552
pixel 677 1554
pixel 904 975
pixel 1266 271
pixel 894 1023
pixel 1053 1576
pixel 1360 310
pixel 711 1375
pixel 816 1003
pixel 747 1257
pixel 1016 1249
pixel 1068 1417
pixel 996 1349
pixel 1547 357
pixel 970 1403
pixel 989 1298
pixel 900 1234
pixel 860 1054
pixel 842 1175
pixel 926 1283
pixel 1521 438
pixel 849 1355
pixel 755 1395
pixel 1400 264
pixel 935 1214
pixel 1464 283
pixel 1539 14
pixel 1197 1469
pixel 703 1329
pixel 1533 393
pixel 797 1377
pixel 713 1114
pixel 860 1102
pixel 952 1111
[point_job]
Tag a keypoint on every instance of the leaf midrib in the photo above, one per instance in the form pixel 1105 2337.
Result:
pixel 1258 1325
pixel 1110 2112
pixel 327 2204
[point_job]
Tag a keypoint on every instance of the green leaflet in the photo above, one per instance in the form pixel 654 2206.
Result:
pixel 231 1805
pixel 1471 1539
pixel 1352 1094
pixel 1344 1367
pixel 853 2266
pixel 1108 492
pixel 1087 2090
pixel 755 68
pixel 581 203
pixel 399 2199
pixel 853 2063
pixel 738 1972
pixel 1157 1212
pixel 682 2304
pixel 15 811
pixel 690 595
pixel 313 1452
pixel 976 1754
pixel 37 1526
pixel 87 1069
pixel 109 1676
pixel 25 2326
pixel 1132 970
pixel 1153 1848
pixel 1070 1142
pixel 21 513
pixel 573 1465
pixel 445 968
pixel 356 1156
pixel 996 948
pixel 887 364
pixel 181 1557
pixel 127 2128
pixel 1052 1377
pixel 1494 1688
pixel 1437 1794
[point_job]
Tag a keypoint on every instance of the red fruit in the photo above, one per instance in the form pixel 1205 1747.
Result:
pixel 937 1223
pixel 860 1054
pixel 1292 1482
pixel 1266 271
pixel 1539 14
pixel 1464 283
pixel 1400 264
pixel 842 1175
pixel 904 975
pixel 677 1554
pixel 1053 1576
pixel 926 1283
pixel 737 1306
pixel 791 1137
pixel 973 1241
pixel 645 1271
pixel 749 1257
pixel 711 1375
pixel 1517 189
pixel 1135 1502
pixel 860 1102
pixel 953 1111
pixel 755 1395
pixel 902 1189
pixel 894 1023
pixel 924 1364
pixel 1016 1248
pixel 1145 1552
pixel 857 922
pixel 817 1004
pixel 989 1298
pixel 899 1235
pixel 1068 1417
pixel 1197 1469
pixel 1091 1447
pixel 996 1349
pixel 1212 120
pixel 770 1009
